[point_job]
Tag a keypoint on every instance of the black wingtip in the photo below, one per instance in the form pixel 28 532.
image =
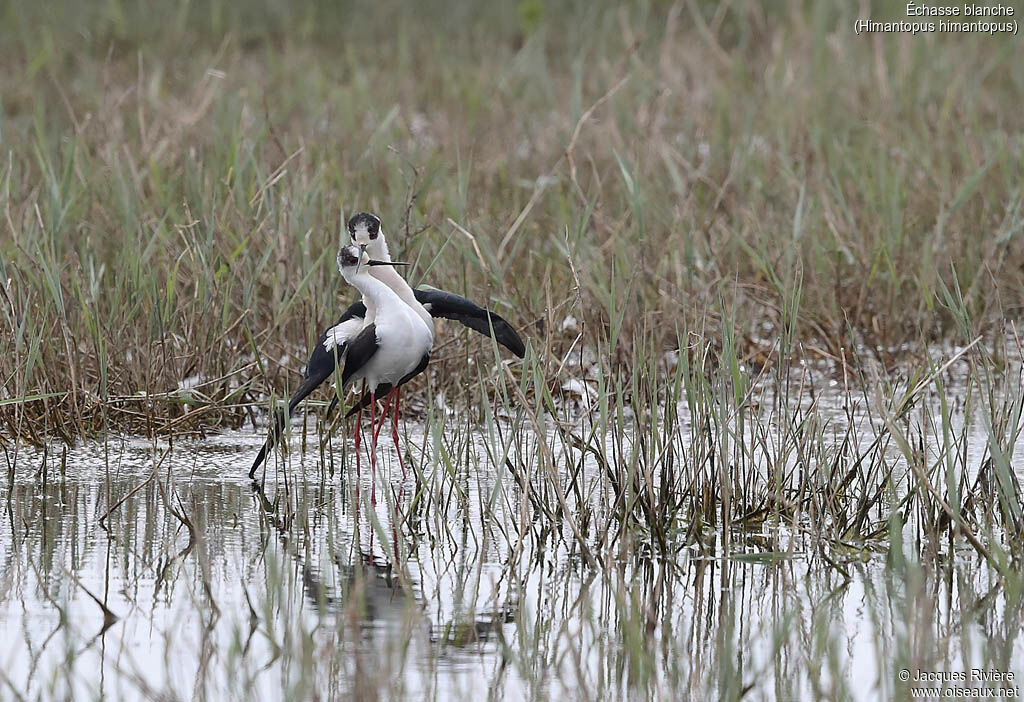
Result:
pixel 505 335
pixel 508 338
pixel 363 403
pixel 258 462
pixel 272 437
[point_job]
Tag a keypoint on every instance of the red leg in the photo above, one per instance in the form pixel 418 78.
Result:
pixel 384 414
pixel 359 431
pixel 394 533
pixel 394 429
pixel 373 449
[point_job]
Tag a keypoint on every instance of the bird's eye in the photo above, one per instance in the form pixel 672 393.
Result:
pixel 373 233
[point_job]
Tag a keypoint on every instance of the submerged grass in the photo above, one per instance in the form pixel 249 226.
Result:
pixel 706 539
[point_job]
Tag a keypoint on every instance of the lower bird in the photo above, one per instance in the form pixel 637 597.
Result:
pixel 392 344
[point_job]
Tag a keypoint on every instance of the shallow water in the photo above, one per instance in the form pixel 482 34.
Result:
pixel 199 584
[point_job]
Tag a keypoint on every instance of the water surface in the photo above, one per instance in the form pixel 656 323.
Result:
pixel 136 570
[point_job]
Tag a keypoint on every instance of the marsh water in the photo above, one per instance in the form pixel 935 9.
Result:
pixel 134 569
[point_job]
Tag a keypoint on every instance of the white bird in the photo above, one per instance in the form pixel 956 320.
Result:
pixel 392 344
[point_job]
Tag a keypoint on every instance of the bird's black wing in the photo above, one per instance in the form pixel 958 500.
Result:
pixel 319 367
pixel 451 306
pixel 385 388
pixel 360 351
pixel 322 361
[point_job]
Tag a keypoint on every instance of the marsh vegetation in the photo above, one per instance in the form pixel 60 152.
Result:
pixel 762 443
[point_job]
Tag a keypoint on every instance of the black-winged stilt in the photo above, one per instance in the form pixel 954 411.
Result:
pixel 392 343
pixel 365 230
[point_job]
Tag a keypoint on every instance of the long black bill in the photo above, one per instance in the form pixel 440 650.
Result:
pixel 375 262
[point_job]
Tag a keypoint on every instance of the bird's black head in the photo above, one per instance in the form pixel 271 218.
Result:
pixel 364 220
pixel 348 257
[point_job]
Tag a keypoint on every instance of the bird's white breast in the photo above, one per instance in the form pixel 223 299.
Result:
pixel 403 340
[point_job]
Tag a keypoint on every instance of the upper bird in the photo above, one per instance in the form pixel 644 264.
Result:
pixel 365 231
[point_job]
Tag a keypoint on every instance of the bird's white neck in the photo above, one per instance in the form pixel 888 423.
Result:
pixel 396 283
pixel 385 301
pixel 376 295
